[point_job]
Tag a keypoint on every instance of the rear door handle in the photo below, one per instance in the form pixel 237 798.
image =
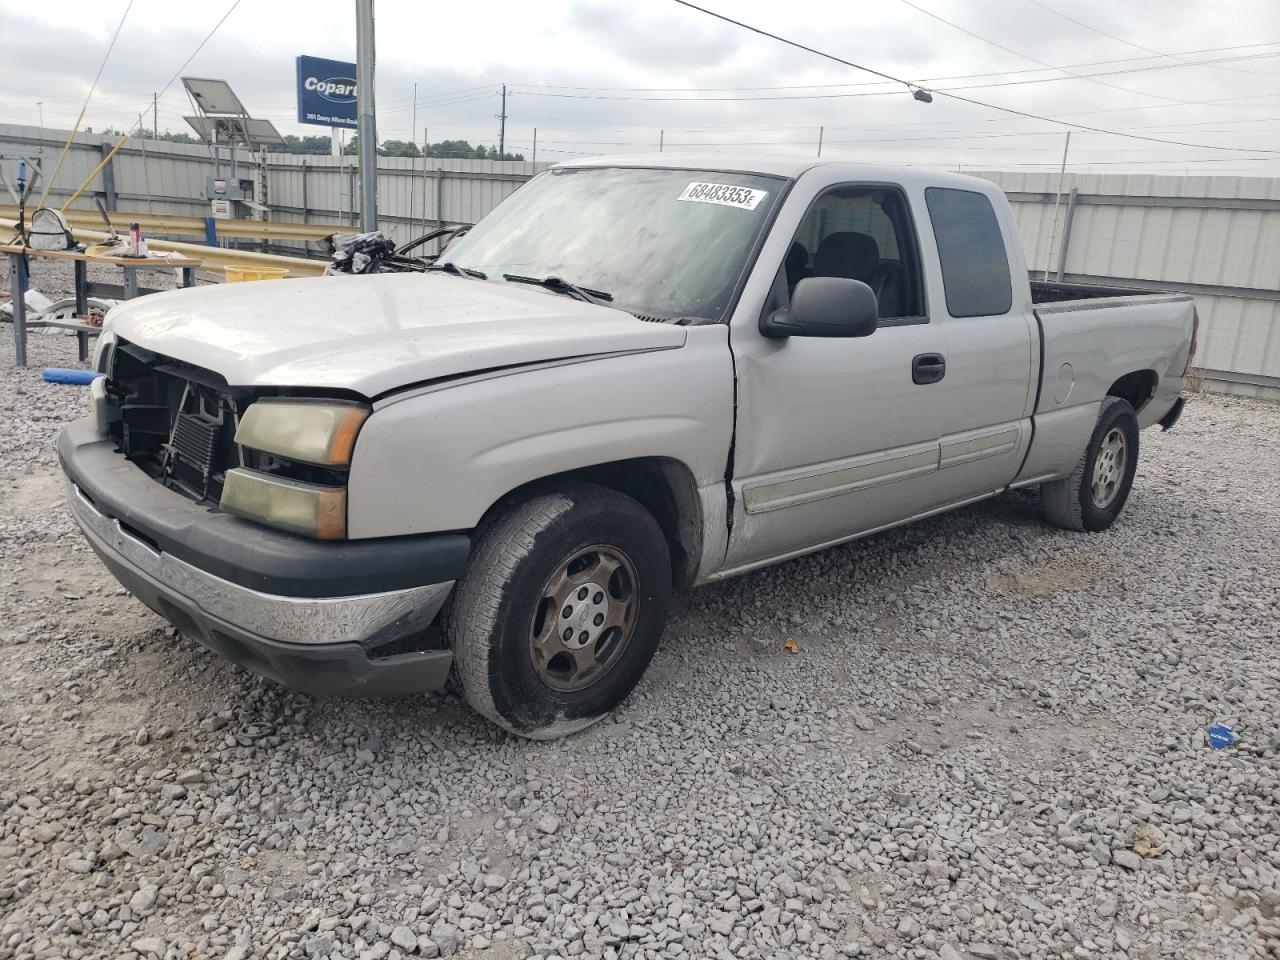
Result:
pixel 928 368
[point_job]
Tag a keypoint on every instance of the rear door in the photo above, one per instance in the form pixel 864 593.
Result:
pixel 989 341
pixel 839 437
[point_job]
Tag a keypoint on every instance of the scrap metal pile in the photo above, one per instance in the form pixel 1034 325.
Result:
pixel 374 252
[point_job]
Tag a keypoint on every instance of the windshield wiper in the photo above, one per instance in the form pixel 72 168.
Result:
pixel 586 294
pixel 450 267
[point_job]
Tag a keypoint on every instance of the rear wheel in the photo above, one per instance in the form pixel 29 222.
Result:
pixel 560 610
pixel 1091 498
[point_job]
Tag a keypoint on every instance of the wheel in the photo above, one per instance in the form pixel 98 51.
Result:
pixel 1092 497
pixel 560 610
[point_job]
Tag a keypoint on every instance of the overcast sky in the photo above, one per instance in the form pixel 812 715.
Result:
pixel 599 76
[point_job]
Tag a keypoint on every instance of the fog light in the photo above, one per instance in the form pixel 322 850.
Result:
pixel 306 508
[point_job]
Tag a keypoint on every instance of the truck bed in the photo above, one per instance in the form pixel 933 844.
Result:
pixel 1058 291
pixel 1092 336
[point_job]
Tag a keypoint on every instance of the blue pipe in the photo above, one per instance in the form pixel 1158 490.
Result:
pixel 70 375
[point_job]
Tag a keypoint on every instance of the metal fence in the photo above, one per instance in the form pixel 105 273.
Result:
pixel 170 178
pixel 412 193
pixel 1215 237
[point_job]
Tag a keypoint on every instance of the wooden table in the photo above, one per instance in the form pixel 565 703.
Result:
pixel 84 288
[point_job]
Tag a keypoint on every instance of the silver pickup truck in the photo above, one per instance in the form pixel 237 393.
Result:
pixel 632 376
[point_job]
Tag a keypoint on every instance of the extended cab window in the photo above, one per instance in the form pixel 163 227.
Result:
pixel 862 233
pixel 975 264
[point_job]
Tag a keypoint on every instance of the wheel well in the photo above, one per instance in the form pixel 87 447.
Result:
pixel 1137 387
pixel 663 486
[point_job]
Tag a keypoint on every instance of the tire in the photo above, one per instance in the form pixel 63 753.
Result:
pixel 1091 498
pixel 517 659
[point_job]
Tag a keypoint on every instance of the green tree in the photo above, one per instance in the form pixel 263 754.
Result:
pixel 321 145
pixel 443 149
pixel 399 148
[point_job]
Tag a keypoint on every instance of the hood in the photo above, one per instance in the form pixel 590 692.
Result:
pixel 374 334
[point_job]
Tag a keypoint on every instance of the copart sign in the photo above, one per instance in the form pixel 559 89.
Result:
pixel 326 92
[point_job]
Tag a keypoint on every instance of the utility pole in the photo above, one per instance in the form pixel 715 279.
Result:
pixel 426 140
pixel 535 144
pixel 155 116
pixel 502 124
pixel 661 136
pixel 413 132
pixel 1053 232
pixel 40 107
pixel 820 141
pixel 366 123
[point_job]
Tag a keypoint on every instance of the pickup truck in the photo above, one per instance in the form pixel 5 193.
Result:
pixel 633 376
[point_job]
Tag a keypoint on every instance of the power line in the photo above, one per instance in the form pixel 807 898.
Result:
pixel 963 76
pixel 954 96
pixel 864 140
pixel 620 127
pixel 1130 43
pixel 1018 53
pixel 1170 101
pixel 881 93
pixel 163 90
pixel 87 97
pixel 200 46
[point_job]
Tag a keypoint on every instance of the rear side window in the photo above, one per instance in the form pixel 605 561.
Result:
pixel 975 265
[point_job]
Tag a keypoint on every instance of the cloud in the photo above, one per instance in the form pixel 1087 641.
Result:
pixel 458 60
pixel 661 41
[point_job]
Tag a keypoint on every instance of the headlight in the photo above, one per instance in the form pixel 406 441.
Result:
pixel 322 432
pixel 310 509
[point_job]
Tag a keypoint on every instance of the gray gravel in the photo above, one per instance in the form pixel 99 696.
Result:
pixel 990 743
pixel 54 278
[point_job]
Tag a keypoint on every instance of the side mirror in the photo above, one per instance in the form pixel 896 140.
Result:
pixel 825 307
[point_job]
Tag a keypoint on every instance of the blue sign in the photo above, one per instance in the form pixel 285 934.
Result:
pixel 326 92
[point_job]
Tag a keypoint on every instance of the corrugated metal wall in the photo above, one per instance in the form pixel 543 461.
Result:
pixel 169 178
pixel 163 178
pixel 411 192
pixel 1215 237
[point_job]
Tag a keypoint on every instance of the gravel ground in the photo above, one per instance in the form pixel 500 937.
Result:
pixel 54 278
pixel 989 742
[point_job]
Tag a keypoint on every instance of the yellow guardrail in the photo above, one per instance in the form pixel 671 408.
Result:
pixel 211 258
pixel 152 223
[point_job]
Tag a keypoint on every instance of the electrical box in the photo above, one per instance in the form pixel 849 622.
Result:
pixel 225 188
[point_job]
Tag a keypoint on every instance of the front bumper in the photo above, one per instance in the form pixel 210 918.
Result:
pixel 321 636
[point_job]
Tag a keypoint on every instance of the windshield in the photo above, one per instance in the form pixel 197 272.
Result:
pixel 662 243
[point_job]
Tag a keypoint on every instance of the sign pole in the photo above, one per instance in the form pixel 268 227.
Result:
pixel 365 120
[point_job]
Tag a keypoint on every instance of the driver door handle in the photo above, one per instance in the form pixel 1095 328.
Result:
pixel 928 368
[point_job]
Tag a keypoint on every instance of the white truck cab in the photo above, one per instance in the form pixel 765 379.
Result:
pixel 634 375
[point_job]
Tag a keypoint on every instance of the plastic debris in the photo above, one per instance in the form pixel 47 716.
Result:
pixel 78 378
pixel 1221 736
pixel 359 253
pixel 1148 842
pixel 36 301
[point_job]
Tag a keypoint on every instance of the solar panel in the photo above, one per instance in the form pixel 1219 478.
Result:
pixel 214 97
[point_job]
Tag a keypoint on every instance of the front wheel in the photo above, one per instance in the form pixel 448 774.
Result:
pixel 1091 498
pixel 560 610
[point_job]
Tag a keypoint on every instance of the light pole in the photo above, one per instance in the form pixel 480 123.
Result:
pixel 366 125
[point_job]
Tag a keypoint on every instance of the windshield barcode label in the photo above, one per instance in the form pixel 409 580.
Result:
pixel 723 194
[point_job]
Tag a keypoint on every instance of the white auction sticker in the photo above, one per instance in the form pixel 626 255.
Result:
pixel 724 194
